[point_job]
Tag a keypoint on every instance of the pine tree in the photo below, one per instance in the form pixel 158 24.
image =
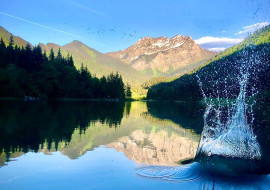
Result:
pixel 128 91
pixel 67 59
pixel 21 61
pixel 2 53
pixel 16 54
pixel 10 51
pixel 71 62
pixel 11 40
pixel 103 87
pixel 51 56
pixel 59 55
pixel 44 56
pixel 37 58
pixel 28 57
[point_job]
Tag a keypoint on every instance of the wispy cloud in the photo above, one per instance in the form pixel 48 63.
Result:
pixel 217 44
pixel 217 49
pixel 220 44
pixel 252 28
pixel 86 8
pixel 46 27
pixel 223 41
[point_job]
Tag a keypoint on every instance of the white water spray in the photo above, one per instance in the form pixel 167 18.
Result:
pixel 234 137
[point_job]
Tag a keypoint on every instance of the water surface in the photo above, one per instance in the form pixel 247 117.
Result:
pixel 111 145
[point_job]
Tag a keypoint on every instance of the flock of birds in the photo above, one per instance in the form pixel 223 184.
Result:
pixel 99 32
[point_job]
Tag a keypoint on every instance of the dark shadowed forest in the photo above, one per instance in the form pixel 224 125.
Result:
pixel 27 71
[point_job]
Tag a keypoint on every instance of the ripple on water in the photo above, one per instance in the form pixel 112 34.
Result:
pixel 193 172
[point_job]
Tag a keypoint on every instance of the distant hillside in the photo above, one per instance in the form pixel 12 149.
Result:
pixel 6 35
pixel 225 65
pixel 98 63
pixel 164 56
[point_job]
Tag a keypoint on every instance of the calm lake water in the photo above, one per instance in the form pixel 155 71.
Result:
pixel 118 145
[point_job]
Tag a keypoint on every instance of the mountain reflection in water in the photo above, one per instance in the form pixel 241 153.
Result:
pixel 158 147
pixel 154 140
pixel 73 128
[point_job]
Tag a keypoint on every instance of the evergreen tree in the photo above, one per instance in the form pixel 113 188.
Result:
pixel 121 87
pixel 27 57
pixel 10 51
pixel 59 55
pixel 11 41
pixel 16 54
pixel 115 86
pixel 21 59
pixel 103 87
pixel 67 59
pixel 128 91
pixel 70 61
pixel 44 56
pixel 37 58
pixel 2 53
pixel 51 56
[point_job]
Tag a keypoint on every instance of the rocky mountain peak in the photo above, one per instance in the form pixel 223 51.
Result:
pixel 163 53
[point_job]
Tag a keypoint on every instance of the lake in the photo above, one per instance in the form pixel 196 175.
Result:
pixel 118 145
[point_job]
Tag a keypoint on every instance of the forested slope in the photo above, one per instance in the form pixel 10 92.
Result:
pixel 221 72
pixel 29 71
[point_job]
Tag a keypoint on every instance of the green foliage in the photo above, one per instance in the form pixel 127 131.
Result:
pixel 28 71
pixel 59 55
pixel 140 91
pixel 51 56
pixel 148 58
pixel 128 91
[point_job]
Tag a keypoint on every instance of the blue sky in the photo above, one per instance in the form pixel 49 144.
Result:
pixel 112 25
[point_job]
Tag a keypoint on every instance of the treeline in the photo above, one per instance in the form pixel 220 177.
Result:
pixel 141 90
pixel 27 71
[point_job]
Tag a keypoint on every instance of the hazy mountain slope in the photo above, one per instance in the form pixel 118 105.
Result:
pixel 163 55
pixel 101 64
pixel 6 35
pixel 49 46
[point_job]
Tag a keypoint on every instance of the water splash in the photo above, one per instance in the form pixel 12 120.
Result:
pixel 232 137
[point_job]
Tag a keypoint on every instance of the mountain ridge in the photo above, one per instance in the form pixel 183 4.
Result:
pixel 17 40
pixel 164 54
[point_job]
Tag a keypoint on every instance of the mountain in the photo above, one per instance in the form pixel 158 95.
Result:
pixel 6 35
pixel 222 71
pixel 99 64
pixel 163 55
